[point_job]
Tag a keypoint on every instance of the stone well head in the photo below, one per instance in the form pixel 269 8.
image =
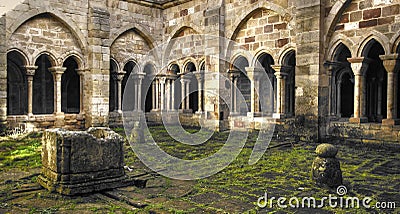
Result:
pixel 77 162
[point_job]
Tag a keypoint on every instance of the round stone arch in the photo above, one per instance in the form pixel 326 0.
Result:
pixel 188 61
pixel 382 39
pixel 58 15
pixel 116 63
pixel 130 59
pixel 53 59
pixel 254 8
pixel 172 64
pixel 76 56
pixel 395 42
pixel 260 52
pixel 335 43
pixel 23 54
pixel 284 51
pixel 238 54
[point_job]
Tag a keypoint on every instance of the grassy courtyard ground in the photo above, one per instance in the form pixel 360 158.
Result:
pixel 284 171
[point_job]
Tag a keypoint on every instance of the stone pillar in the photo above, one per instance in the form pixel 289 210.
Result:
pixel 199 77
pixel 168 93
pixel 338 99
pixel 359 66
pixel 157 84
pixel 254 76
pixel 30 72
pixel 172 94
pixel 187 94
pixel 57 74
pixel 281 92
pixel 389 62
pixel 81 74
pixel 120 77
pixel 153 91
pixel 138 77
pixel 183 94
pixel 162 90
pixel 234 76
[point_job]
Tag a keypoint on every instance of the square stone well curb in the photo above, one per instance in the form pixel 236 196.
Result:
pixel 78 162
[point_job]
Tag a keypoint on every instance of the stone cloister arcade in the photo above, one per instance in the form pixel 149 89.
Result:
pixel 364 89
pixel 76 67
pixel 43 90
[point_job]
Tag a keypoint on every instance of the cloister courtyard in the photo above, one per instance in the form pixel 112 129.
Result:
pixel 370 170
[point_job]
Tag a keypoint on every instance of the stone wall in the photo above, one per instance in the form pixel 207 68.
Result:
pixel 365 133
pixel 3 74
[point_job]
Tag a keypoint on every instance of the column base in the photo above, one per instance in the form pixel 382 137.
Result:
pixel 253 114
pixel 60 120
pixel 390 122
pixel 358 120
pixel 188 111
pixel 278 116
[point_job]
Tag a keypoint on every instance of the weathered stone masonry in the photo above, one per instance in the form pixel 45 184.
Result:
pixel 333 65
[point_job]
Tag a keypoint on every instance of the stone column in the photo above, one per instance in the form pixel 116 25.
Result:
pixel 359 66
pixel 162 90
pixel 281 92
pixel 389 62
pixel 57 74
pixel 30 72
pixel 138 77
pixel 173 94
pixel 338 99
pixel 187 94
pixel 199 77
pixel 183 94
pixel 81 74
pixel 234 76
pixel 153 91
pixel 157 84
pixel 120 77
pixel 254 75
pixel 168 93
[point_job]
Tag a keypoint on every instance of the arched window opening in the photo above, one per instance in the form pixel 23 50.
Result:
pixel 342 84
pixel 147 86
pixel 267 89
pixel 113 96
pixel 129 103
pixel 346 83
pixel 177 96
pixel 17 98
pixel 244 86
pixel 376 83
pixel 43 87
pixel 290 62
pixel 70 87
pixel 193 88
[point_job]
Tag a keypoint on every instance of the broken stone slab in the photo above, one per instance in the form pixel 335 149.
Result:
pixel 77 162
pixel 326 168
